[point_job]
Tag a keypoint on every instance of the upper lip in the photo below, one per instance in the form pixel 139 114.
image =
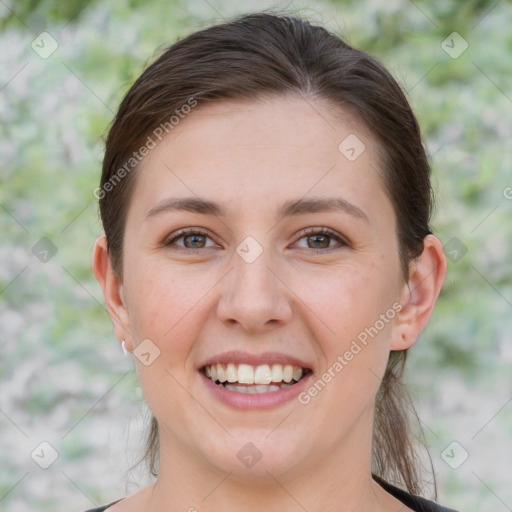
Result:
pixel 239 357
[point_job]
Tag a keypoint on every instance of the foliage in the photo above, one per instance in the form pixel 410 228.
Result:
pixel 59 356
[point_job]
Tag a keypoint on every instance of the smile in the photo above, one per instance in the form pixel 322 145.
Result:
pixel 245 378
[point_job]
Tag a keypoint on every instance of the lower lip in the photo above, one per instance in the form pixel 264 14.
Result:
pixel 252 401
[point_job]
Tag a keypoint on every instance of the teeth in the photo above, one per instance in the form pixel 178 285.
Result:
pixel 297 373
pixel 262 376
pixel 245 373
pixel 260 388
pixel 288 373
pixel 231 373
pixel 277 373
pixel 221 373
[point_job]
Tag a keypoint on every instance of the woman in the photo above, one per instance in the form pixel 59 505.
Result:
pixel 268 259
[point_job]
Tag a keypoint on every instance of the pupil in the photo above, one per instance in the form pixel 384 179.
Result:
pixel 316 237
pixel 195 237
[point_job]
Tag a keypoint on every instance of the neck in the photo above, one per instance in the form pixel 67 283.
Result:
pixel 323 482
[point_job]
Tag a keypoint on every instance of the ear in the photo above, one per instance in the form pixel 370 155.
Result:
pixel 419 294
pixel 112 287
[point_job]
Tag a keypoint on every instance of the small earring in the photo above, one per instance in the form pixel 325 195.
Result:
pixel 123 346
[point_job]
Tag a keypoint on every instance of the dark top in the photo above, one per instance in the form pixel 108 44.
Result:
pixel 413 502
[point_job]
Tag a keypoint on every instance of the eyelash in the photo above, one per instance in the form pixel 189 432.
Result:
pixel 343 242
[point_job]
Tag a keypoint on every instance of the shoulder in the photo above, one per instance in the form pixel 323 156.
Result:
pixel 416 503
pixel 134 502
pixel 102 508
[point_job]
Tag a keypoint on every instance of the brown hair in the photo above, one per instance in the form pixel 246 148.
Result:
pixel 265 54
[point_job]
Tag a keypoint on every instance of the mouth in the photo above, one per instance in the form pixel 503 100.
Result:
pixel 245 378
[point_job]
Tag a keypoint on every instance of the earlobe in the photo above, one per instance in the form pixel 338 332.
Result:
pixel 112 288
pixel 419 294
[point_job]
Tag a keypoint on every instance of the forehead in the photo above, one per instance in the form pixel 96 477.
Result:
pixel 255 153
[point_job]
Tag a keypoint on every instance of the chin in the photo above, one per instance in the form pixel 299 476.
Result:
pixel 252 461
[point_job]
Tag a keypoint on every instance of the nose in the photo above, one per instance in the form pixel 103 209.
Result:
pixel 254 296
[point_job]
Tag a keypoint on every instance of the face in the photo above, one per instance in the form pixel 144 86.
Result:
pixel 266 276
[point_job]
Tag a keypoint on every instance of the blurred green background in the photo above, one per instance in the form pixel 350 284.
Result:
pixel 64 68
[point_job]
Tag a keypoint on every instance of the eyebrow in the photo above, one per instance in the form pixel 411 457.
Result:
pixel 289 209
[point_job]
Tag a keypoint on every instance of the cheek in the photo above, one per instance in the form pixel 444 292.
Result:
pixel 164 306
pixel 167 309
pixel 355 356
pixel 346 300
pixel 352 310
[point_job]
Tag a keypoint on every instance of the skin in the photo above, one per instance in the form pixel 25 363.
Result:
pixel 251 157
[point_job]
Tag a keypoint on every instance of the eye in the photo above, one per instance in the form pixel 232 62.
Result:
pixel 193 240
pixel 320 239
